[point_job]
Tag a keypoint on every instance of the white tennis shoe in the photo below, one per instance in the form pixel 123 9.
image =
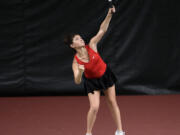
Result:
pixel 119 132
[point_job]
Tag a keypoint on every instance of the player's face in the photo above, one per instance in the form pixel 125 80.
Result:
pixel 78 41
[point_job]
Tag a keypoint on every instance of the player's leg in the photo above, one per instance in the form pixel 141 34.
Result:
pixel 110 96
pixel 94 100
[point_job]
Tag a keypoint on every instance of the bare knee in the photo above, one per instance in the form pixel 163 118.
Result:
pixel 94 101
pixel 94 108
pixel 112 101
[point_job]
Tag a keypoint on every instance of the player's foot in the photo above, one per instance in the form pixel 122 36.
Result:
pixel 119 132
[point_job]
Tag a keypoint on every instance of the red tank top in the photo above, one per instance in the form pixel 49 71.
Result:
pixel 96 67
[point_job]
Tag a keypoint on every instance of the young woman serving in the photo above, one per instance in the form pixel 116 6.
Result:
pixel 97 75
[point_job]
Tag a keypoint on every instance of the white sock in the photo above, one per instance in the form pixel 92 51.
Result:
pixel 88 134
pixel 119 131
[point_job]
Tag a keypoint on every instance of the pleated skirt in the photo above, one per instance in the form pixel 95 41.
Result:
pixel 100 84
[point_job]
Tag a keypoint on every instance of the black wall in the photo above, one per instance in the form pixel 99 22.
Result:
pixel 142 45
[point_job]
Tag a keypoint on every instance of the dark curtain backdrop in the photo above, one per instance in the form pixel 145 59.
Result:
pixel 142 45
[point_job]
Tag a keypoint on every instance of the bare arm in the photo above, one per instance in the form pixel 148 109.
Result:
pixel 78 71
pixel 103 28
pixel 105 24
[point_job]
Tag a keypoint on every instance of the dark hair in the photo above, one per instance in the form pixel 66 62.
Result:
pixel 68 39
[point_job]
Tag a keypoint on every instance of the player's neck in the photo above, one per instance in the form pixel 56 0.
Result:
pixel 81 51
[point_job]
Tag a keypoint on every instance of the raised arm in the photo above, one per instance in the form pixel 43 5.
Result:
pixel 103 28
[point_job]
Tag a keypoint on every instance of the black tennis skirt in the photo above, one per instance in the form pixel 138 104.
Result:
pixel 102 83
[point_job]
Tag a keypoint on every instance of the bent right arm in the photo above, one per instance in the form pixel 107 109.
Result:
pixel 77 72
